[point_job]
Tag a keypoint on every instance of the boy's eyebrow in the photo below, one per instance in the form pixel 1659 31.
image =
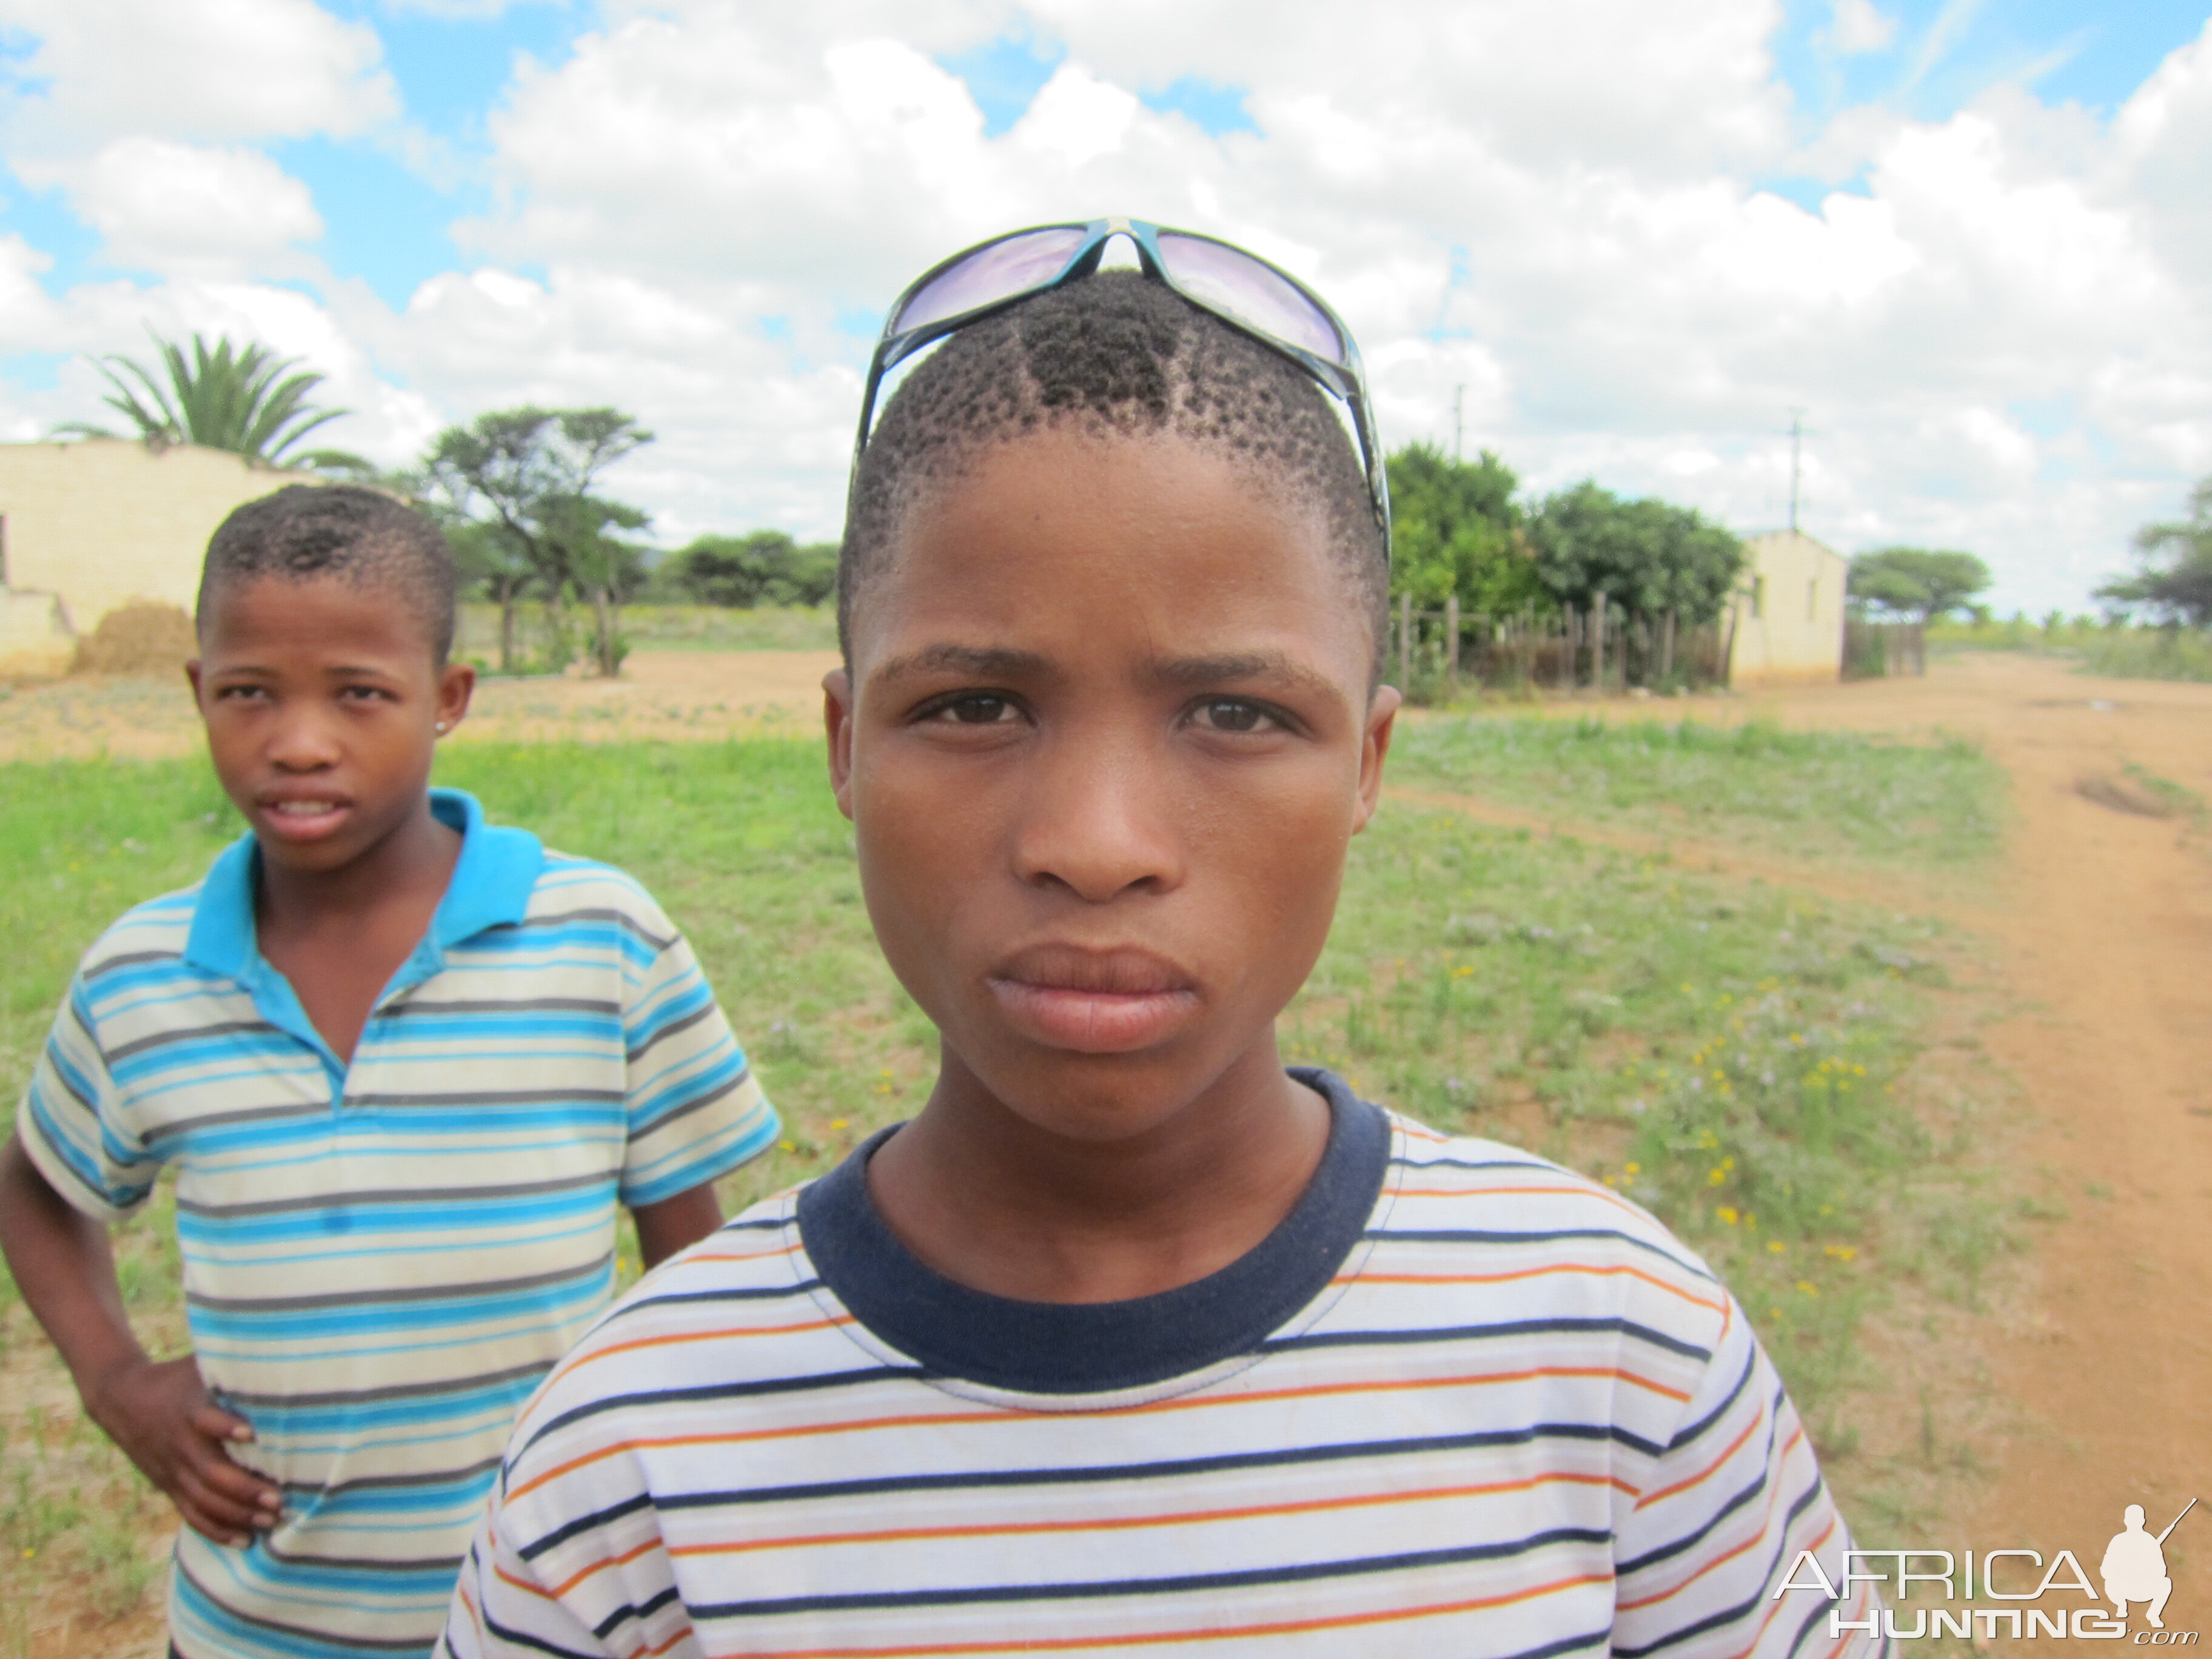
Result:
pixel 981 659
pixel 1241 665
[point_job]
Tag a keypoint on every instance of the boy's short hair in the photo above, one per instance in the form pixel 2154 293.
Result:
pixel 1113 353
pixel 359 536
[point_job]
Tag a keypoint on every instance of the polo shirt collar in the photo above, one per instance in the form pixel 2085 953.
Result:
pixel 490 887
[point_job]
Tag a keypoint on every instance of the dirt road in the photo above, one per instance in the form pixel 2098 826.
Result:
pixel 2107 921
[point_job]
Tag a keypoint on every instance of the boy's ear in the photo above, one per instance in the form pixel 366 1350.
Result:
pixel 192 677
pixel 1374 747
pixel 457 684
pixel 837 730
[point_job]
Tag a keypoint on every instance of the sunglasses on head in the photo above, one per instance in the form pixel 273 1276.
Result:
pixel 1243 290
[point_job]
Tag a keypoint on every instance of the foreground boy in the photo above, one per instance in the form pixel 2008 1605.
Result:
pixel 1132 1340
pixel 406 1064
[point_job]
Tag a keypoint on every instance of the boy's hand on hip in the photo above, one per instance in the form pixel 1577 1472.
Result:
pixel 159 1414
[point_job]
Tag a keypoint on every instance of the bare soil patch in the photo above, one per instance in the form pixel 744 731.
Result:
pixel 682 696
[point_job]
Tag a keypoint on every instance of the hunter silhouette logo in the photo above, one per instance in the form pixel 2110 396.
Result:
pixel 2133 1569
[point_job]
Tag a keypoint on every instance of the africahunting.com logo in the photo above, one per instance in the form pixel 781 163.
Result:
pixel 2133 1572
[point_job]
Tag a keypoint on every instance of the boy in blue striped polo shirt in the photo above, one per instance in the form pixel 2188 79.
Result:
pixel 407 1064
pixel 1132 1340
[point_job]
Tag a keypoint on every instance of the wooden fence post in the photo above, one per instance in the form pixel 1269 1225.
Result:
pixel 1452 645
pixel 1405 641
pixel 1597 645
pixel 1667 648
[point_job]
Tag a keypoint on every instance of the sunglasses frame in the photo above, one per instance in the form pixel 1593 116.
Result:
pixel 1346 381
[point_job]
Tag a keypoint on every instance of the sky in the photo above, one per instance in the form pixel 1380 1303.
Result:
pixel 1965 243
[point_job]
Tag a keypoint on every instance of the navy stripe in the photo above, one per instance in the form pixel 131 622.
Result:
pixel 1250 1577
pixel 1628 1327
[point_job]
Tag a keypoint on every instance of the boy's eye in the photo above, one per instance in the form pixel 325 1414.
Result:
pixel 975 709
pixel 1234 714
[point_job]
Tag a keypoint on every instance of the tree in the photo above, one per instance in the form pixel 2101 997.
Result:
pixel 526 478
pixel 1917 582
pixel 766 568
pixel 1455 529
pixel 2175 582
pixel 223 397
pixel 1646 556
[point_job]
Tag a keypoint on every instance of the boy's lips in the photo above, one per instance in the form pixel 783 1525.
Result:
pixel 301 815
pixel 1093 1002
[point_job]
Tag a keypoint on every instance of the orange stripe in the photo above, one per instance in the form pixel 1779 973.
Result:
pixel 1774 1603
pixel 622 1560
pixel 1197 1517
pixel 1706 1472
pixel 937 1419
pixel 1156 1638
pixel 584 1359
pixel 1576 1190
pixel 791 1249
pixel 1652 1279
pixel 1756 1537
pixel 522 1584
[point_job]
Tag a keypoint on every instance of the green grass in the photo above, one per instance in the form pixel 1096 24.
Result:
pixel 655 628
pixel 2148 655
pixel 2113 652
pixel 1737 1058
pixel 1810 794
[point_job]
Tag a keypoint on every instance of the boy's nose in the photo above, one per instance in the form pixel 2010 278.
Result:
pixel 1099 821
pixel 302 741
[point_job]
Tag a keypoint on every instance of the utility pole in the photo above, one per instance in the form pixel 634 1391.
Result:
pixel 1459 398
pixel 1797 444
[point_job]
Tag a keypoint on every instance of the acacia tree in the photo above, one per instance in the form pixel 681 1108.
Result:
pixel 1646 556
pixel 528 478
pixel 765 568
pixel 2175 581
pixel 221 397
pixel 1917 582
pixel 1455 529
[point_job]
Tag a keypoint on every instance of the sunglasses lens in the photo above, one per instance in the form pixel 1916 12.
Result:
pixel 1239 284
pixel 1014 265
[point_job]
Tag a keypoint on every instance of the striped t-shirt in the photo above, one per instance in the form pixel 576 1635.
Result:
pixel 1460 1402
pixel 381 1260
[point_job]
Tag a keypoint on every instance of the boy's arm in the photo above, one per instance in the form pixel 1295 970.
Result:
pixel 158 1412
pixel 695 1111
pixel 667 1227
pixel 1728 1507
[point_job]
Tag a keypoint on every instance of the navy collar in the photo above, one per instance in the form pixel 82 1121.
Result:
pixel 1099 1348
pixel 490 887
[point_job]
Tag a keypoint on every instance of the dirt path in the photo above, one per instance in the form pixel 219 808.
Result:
pixel 2106 922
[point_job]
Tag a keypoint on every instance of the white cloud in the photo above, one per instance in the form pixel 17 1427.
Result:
pixel 1991 321
pixel 190 208
pixel 1858 26
pixel 194 69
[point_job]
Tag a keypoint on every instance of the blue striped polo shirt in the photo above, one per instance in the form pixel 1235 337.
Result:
pixel 381 1260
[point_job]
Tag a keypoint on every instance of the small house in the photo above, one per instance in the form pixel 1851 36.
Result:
pixel 94 524
pixel 1784 625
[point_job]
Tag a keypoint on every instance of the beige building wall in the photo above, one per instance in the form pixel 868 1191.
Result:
pixel 97 522
pixel 1787 622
